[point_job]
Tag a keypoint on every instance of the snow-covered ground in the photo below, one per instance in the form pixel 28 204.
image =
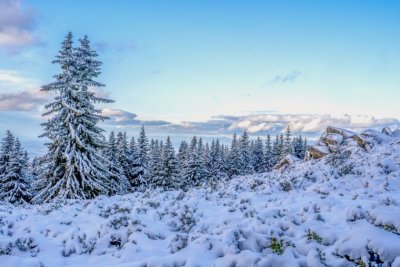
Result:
pixel 329 212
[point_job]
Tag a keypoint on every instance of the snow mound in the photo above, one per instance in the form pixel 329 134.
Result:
pixel 340 210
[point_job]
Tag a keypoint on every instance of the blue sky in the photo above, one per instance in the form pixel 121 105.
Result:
pixel 184 62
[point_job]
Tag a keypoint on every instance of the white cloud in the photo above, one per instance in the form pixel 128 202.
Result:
pixel 287 78
pixel 119 116
pixel 17 26
pixel 13 79
pixel 308 123
pixel 27 100
pixel 122 118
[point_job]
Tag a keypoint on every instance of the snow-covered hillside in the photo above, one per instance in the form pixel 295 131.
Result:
pixel 340 210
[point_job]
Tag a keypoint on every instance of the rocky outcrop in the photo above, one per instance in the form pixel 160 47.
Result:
pixel 334 137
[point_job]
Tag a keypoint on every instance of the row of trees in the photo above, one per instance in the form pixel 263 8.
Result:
pixel 81 164
pixel 155 163
pixel 140 163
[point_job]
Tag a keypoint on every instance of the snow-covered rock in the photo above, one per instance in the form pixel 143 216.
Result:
pixel 387 131
pixel 319 151
pixel 287 160
pixel 332 139
pixel 336 211
pixel 343 132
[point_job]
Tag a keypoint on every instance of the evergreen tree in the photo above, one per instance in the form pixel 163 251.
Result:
pixel 282 151
pixel 155 162
pixel 168 178
pixel 135 176
pixel 297 147
pixel 221 158
pixel 235 160
pixel 202 155
pixel 75 168
pixel 183 153
pixel 258 156
pixel 276 151
pixel 6 152
pixel 217 167
pixel 122 153
pixel 192 173
pixel 245 155
pixel 268 155
pixel 207 164
pixel 118 181
pixel 287 143
pixel 142 159
pixel 14 186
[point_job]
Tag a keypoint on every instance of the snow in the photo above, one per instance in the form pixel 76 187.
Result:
pixel 336 211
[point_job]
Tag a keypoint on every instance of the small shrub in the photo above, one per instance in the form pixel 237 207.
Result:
pixel 346 169
pixel 179 242
pixel 119 221
pixel 278 245
pixel 311 235
pixel 27 244
pixel 286 186
pixel 6 249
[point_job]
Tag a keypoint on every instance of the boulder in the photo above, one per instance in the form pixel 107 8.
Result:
pixel 343 132
pixel 386 130
pixel 317 151
pixel 287 160
pixel 361 141
pixel 332 139
pixel 333 148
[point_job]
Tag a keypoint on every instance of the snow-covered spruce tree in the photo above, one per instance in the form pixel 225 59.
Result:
pixel 297 146
pixel 14 179
pixel 258 156
pixel 6 151
pixel 169 176
pixel 217 164
pixel 276 151
pixel 118 182
pixel 234 158
pixel 207 164
pixel 245 155
pixel 287 142
pixel 17 186
pixel 141 161
pixel 202 161
pixel 134 167
pixel 193 170
pixel 268 157
pixel 75 169
pixel 123 155
pixel 282 152
pixel 182 158
pixel 183 153
pixel 154 169
pixel 211 163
